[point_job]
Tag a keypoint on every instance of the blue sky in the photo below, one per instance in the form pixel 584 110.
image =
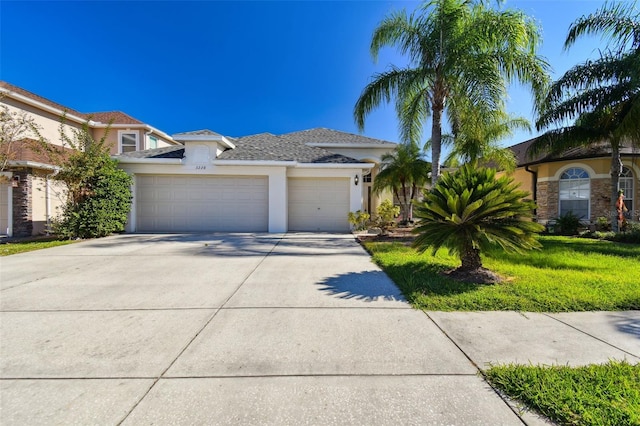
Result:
pixel 237 68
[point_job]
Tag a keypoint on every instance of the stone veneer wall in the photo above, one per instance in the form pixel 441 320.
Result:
pixel 22 204
pixel 600 198
pixel 547 200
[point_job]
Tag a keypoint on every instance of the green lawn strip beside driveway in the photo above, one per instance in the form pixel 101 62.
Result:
pixel 607 394
pixel 9 248
pixel 566 275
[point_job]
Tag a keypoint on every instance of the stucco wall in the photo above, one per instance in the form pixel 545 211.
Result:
pixel 47 200
pixel 49 124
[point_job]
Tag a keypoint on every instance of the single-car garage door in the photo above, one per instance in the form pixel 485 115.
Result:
pixel 319 204
pixel 202 203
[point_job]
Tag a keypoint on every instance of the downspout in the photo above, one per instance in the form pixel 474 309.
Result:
pixel 48 199
pixel 534 178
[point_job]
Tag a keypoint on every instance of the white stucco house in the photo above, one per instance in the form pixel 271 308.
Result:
pixel 301 181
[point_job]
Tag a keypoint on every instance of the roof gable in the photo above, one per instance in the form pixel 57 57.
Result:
pixel 115 117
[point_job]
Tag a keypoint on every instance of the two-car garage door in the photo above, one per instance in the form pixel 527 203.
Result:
pixel 237 204
pixel 202 203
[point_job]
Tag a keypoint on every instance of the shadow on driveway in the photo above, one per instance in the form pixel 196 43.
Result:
pixel 369 286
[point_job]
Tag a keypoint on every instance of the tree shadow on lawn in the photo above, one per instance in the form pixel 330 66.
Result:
pixel 559 254
pixel 589 246
pixel 426 279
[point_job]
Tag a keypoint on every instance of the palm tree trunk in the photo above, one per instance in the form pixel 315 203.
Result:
pixel 470 258
pixel 436 139
pixel 616 169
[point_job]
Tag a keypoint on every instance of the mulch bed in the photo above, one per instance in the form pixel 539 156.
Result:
pixel 396 235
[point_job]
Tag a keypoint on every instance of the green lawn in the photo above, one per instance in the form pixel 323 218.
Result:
pixel 567 274
pixel 592 395
pixel 8 249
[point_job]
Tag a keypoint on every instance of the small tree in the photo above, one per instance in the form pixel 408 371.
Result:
pixel 99 193
pixel 472 210
pixel 405 173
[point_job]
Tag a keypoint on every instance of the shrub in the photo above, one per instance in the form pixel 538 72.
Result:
pixel 104 206
pixel 387 212
pixel 630 235
pixel 359 219
pixel 603 224
pixel 568 224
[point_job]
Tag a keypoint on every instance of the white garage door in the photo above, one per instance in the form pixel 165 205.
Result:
pixel 318 204
pixel 4 208
pixel 202 203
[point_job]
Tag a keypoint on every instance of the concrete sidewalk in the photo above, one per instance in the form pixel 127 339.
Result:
pixel 259 329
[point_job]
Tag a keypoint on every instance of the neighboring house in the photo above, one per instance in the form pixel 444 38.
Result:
pixel 301 181
pixel 578 180
pixel 31 197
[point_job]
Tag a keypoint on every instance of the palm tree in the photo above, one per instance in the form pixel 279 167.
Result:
pixel 460 52
pixel 602 96
pixel 471 210
pixel 405 173
pixel 475 138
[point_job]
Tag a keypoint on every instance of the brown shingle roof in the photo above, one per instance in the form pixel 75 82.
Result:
pixel 39 98
pixel 116 117
pixel 594 151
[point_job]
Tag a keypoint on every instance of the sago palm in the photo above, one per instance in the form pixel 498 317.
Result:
pixel 457 49
pixel 405 173
pixel 470 211
pixel 602 96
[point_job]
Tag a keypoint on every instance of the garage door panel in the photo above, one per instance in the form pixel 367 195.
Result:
pixel 202 203
pixel 320 204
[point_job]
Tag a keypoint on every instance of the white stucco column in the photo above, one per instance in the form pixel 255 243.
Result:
pixel 131 219
pixel 278 200
pixel 355 191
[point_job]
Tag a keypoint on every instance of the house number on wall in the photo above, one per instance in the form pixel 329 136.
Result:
pixel 201 167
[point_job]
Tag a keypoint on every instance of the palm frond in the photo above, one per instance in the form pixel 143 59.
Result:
pixel 618 22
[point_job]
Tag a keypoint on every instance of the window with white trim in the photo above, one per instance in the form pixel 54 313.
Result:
pixel 575 192
pixel 153 142
pixel 625 183
pixel 128 141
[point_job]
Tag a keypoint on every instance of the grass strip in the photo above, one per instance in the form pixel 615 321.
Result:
pixel 606 394
pixel 566 275
pixel 10 248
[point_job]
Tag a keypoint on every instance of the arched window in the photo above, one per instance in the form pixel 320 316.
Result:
pixel 626 184
pixel 575 190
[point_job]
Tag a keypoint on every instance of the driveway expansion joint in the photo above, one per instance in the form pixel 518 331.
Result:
pixel 195 336
pixel 480 372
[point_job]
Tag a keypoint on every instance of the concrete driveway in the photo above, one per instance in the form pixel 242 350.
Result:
pixel 242 329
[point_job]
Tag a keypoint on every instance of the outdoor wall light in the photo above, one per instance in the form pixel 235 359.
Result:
pixel 356 180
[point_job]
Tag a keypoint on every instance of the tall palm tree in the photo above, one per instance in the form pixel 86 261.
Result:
pixel 458 50
pixel 602 96
pixel 405 173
